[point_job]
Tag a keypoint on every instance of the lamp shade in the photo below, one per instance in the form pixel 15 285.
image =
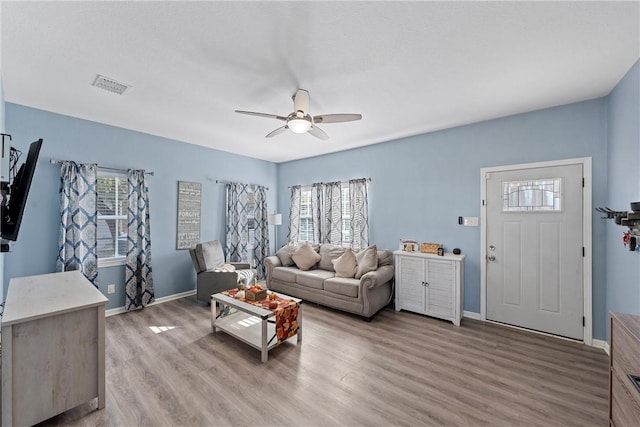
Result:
pixel 275 219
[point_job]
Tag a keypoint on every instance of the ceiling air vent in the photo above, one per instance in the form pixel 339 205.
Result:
pixel 110 85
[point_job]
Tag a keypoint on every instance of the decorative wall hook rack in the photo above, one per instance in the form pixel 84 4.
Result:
pixel 626 219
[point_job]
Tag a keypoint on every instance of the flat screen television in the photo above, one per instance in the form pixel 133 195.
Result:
pixel 18 191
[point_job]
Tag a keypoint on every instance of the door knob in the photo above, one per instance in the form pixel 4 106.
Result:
pixel 491 258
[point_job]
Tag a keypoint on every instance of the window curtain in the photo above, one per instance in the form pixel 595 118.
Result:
pixel 329 215
pixel 78 244
pixel 316 212
pixel 261 232
pixel 237 237
pixel 294 215
pixel 138 277
pixel 359 206
pixel 332 224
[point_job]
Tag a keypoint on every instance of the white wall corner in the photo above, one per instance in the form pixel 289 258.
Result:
pixel 471 315
pixel 601 344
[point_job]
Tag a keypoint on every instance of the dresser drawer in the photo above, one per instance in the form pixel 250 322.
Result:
pixel 625 400
pixel 625 354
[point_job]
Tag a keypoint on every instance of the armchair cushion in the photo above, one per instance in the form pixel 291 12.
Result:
pixel 210 255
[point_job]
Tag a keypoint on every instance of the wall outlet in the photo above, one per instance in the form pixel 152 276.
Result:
pixel 470 221
pixel 111 289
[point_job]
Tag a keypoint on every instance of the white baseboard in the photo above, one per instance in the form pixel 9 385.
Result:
pixel 601 344
pixel 120 310
pixel 594 343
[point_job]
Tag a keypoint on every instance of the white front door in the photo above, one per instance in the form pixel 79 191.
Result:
pixel 534 248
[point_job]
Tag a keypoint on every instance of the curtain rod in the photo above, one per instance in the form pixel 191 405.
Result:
pixel 306 185
pixel 219 181
pixel 56 162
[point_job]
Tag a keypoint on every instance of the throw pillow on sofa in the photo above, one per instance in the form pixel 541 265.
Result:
pixel 305 257
pixel 284 254
pixel 367 261
pixel 328 253
pixel 345 265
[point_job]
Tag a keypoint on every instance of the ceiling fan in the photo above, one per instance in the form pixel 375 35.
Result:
pixel 300 121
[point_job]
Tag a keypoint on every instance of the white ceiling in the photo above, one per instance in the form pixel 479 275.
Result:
pixel 407 67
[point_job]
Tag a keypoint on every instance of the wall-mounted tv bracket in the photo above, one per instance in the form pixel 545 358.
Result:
pixel 4 135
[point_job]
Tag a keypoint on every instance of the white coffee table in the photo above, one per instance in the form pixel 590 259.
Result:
pixel 249 323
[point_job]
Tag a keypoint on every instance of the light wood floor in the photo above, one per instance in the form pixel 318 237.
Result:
pixel 399 369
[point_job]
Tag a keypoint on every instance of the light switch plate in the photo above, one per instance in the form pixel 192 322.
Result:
pixel 470 221
pixel 111 289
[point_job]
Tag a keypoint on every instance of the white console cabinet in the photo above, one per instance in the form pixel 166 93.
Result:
pixel 430 284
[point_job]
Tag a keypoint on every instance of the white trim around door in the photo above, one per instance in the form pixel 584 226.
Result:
pixel 586 231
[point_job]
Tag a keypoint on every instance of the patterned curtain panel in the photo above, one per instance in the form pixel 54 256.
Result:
pixel 261 249
pixel 237 237
pixel 359 206
pixel 316 212
pixel 332 225
pixel 78 244
pixel 294 215
pixel 138 277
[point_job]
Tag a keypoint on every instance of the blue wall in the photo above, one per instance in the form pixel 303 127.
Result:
pixel 623 185
pixel 68 138
pixel 420 185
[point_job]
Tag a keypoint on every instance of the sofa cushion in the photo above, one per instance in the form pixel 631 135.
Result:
pixel 285 274
pixel 367 261
pixel 313 279
pixel 385 257
pixel 327 254
pixel 210 255
pixel 305 257
pixel 284 253
pixel 345 265
pixel 342 286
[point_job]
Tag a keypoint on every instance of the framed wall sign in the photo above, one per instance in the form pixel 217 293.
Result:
pixel 189 204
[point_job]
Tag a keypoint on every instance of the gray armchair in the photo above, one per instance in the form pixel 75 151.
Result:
pixel 208 259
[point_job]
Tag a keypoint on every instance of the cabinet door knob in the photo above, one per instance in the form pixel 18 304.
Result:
pixel 426 283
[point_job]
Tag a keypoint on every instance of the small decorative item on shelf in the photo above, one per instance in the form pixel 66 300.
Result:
pixel 408 245
pixel 430 248
pixel 440 251
pixel 255 293
pixel 456 251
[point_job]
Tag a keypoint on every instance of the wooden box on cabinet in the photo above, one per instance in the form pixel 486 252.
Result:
pixel 624 363
pixel 430 284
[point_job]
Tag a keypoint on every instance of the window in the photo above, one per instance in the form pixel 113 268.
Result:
pixel 112 218
pixel 306 221
pixel 532 196
pixel 305 233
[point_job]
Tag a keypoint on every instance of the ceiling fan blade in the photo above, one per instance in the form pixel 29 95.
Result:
pixel 277 131
pixel 336 118
pixel 253 113
pixel 318 133
pixel 301 101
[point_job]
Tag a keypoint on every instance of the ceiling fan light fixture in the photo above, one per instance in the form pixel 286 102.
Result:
pixel 299 125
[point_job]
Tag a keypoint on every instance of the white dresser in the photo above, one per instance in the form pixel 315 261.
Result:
pixel 430 284
pixel 52 347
